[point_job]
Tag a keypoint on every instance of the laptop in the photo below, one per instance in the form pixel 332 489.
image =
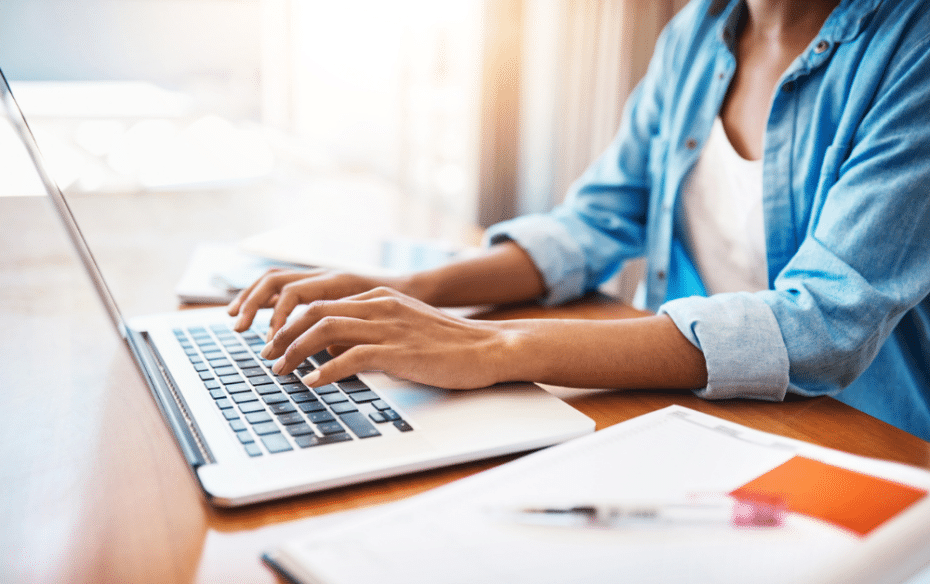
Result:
pixel 251 436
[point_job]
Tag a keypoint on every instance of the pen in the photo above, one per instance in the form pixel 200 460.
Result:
pixel 756 511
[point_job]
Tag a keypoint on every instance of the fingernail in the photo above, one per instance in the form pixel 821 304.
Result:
pixel 240 323
pixel 277 367
pixel 311 378
pixel 266 351
pixel 269 336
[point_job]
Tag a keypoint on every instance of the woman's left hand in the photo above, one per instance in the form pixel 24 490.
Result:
pixel 385 330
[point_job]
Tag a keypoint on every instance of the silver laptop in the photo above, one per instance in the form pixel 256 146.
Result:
pixel 251 436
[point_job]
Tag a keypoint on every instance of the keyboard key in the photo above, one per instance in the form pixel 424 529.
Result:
pixel 321 417
pixel 304 396
pixel 301 429
pixel 245 436
pixel 381 405
pixel 251 371
pixel 343 408
pixel 257 417
pixel 312 406
pixel 267 389
pixel 252 406
pixel 260 380
pixel 359 424
pixel 217 393
pixel 206 375
pixel 322 357
pixel 200 367
pixel 237 425
pixel 391 415
pixel 265 428
pixel 289 378
pixel 330 428
pixel 212 384
pixel 252 449
pixel 403 426
pixel 324 389
pixel 276 443
pixel 308 441
pixel 224 403
pixel 237 387
pixel 231 414
pixel 332 398
pixel 378 417
pixel 213 355
pixel 230 379
pixel 225 371
pixel 282 408
pixel 352 385
pixel 294 387
pixel 275 398
pixel 290 418
pixel 361 397
pixel 244 397
pixel 220 363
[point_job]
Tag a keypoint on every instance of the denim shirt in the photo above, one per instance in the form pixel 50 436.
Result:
pixel 846 196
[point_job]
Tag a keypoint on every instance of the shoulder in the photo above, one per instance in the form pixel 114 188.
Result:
pixel 691 30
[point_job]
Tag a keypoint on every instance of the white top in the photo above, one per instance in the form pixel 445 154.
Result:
pixel 723 225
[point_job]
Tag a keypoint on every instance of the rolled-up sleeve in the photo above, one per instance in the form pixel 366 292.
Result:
pixel 557 255
pixel 741 342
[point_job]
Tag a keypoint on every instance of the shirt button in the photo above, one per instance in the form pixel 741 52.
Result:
pixel 690 143
pixel 788 87
pixel 821 47
pixel 660 274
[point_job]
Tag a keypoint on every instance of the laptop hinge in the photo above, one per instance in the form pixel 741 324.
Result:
pixel 169 400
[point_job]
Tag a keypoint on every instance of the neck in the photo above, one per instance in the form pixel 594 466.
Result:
pixel 786 21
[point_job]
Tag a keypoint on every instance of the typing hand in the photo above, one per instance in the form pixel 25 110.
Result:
pixel 385 330
pixel 285 290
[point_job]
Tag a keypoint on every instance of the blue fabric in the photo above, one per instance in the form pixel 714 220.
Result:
pixel 846 194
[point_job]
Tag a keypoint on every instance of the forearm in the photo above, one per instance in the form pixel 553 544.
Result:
pixel 504 273
pixel 638 353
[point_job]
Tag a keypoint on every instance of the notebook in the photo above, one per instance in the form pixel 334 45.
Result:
pixel 847 519
pixel 249 435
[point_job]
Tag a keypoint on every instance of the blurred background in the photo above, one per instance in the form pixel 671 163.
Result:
pixel 489 108
pixel 416 110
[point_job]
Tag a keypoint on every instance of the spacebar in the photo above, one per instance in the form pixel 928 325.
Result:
pixel 357 422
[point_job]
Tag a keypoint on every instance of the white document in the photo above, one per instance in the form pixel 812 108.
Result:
pixel 455 534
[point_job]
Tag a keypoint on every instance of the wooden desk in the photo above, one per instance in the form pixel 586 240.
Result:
pixel 95 489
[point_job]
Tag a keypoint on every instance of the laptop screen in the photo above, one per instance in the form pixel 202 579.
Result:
pixel 18 128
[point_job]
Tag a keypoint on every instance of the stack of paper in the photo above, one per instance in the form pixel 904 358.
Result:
pixel 851 519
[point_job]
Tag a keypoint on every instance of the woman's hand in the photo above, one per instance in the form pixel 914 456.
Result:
pixel 284 290
pixel 383 329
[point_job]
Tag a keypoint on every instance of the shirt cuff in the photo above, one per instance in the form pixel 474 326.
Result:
pixel 555 253
pixel 741 341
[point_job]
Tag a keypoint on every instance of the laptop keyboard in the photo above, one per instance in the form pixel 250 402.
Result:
pixel 277 413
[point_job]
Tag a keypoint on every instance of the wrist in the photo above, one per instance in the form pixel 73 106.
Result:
pixel 515 355
pixel 417 285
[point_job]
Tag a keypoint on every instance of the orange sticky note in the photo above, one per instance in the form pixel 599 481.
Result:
pixel 849 499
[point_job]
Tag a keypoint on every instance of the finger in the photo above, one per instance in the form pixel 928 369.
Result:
pixel 262 294
pixel 233 307
pixel 330 330
pixel 354 360
pixel 316 311
pixel 291 297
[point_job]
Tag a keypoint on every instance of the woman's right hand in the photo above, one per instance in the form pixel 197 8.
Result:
pixel 285 290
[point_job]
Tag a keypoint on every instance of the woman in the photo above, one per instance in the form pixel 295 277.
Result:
pixel 796 132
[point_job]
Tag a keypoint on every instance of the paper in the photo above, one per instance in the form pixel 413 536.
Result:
pixel 848 499
pixel 216 272
pixel 447 535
